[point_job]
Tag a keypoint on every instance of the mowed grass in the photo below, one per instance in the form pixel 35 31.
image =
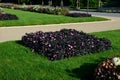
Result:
pixel 32 18
pixel 19 63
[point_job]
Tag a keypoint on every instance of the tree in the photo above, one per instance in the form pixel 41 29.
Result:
pixel 42 2
pixel 23 1
pixel 75 3
pixel 50 2
pixel 78 4
pixel 94 3
pixel 113 3
pixel 61 3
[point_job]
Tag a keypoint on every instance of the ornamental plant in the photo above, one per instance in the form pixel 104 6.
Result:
pixel 48 10
pixel 64 43
pixel 5 16
pixel 1 11
pixel 108 70
pixel 8 17
pixel 116 61
pixel 78 15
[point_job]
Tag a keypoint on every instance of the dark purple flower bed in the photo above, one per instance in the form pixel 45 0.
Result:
pixel 8 17
pixel 64 43
pixel 78 15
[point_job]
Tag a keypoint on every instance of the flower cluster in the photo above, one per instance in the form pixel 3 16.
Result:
pixel 8 17
pixel 108 70
pixel 48 10
pixel 78 15
pixel 1 11
pixel 116 61
pixel 64 43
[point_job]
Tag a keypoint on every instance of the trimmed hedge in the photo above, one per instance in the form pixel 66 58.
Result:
pixel 8 17
pixel 64 43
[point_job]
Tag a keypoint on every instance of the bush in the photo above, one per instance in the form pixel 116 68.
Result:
pixel 8 17
pixel 1 11
pixel 51 10
pixel 61 11
pixel 38 8
pixel 78 15
pixel 64 43
pixel 108 70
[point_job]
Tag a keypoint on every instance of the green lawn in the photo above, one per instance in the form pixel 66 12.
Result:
pixel 31 18
pixel 19 63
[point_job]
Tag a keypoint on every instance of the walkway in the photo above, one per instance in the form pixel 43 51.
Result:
pixel 15 33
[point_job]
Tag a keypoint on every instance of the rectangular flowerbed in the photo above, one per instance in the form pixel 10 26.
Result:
pixel 64 43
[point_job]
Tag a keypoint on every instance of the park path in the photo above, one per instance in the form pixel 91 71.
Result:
pixel 15 33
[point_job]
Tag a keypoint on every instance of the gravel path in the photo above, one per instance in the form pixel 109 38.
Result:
pixel 15 33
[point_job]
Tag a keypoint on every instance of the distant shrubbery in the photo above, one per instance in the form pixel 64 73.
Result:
pixel 39 9
pixel 1 11
pixel 46 9
pixel 64 43
pixel 50 10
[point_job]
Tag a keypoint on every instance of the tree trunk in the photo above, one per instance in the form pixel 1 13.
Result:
pixel 42 2
pixel 78 4
pixel 99 3
pixel 50 3
pixel 61 4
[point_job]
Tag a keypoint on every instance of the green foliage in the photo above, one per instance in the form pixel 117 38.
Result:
pixel 19 63
pixel 72 3
pixel 44 9
pixel 83 3
pixel 112 3
pixel 61 11
pixel 93 3
pixel 1 10
pixel 23 1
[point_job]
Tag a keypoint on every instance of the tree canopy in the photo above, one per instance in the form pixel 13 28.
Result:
pixel 72 3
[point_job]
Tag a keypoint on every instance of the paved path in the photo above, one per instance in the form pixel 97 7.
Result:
pixel 99 13
pixel 15 33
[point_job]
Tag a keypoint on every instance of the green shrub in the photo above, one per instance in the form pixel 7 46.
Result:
pixel 51 10
pixel 36 8
pixel 61 11
pixel 1 11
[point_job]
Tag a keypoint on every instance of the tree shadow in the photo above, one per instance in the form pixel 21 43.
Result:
pixel 85 71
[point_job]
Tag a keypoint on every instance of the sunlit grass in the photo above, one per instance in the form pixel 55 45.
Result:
pixel 32 18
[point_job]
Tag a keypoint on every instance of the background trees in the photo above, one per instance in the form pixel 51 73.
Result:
pixel 83 3
pixel 72 3
pixel 112 3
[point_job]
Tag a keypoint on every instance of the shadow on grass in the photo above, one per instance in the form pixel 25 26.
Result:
pixel 18 41
pixel 85 71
